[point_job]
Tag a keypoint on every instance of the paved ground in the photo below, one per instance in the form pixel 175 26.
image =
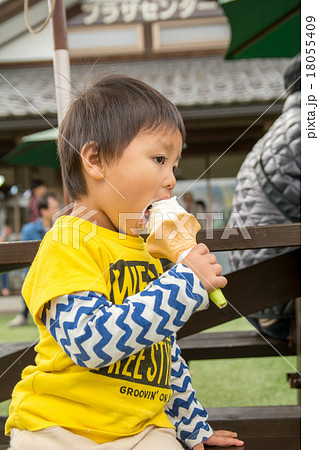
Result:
pixel 11 305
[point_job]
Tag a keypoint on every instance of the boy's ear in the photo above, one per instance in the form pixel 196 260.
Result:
pixel 91 161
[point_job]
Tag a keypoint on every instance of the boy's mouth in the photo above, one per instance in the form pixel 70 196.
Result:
pixel 142 222
pixel 147 212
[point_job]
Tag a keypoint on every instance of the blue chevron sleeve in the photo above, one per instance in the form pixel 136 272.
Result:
pixel 183 409
pixel 95 332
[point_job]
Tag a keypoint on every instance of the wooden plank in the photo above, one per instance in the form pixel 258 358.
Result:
pixel 264 443
pixel 261 427
pixel 16 255
pixel 234 344
pixel 273 443
pixel 252 289
pixel 251 443
pixel 241 344
pixel 248 420
pixel 14 357
pixel 284 235
pixel 280 235
pixel 19 254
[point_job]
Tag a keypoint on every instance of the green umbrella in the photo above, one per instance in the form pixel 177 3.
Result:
pixel 263 29
pixel 38 149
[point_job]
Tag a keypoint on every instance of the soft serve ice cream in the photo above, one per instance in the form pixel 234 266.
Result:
pixel 161 211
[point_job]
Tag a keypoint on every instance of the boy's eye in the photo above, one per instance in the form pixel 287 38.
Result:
pixel 160 159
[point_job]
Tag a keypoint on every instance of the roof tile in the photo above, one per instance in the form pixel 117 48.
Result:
pixel 186 82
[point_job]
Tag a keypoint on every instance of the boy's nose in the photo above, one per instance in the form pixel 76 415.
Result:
pixel 170 181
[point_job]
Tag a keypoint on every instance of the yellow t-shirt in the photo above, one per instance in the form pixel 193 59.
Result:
pixel 107 403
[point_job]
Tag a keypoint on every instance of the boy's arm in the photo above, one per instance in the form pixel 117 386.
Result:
pixel 187 414
pixel 95 332
pixel 183 409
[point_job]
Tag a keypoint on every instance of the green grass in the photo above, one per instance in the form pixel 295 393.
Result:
pixel 240 324
pixel 4 408
pixel 243 381
pixel 219 383
pixel 17 334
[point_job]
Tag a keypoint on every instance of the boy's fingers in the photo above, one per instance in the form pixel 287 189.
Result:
pixel 225 433
pixel 228 441
pixel 222 281
pixel 202 249
pixel 218 269
pixel 225 437
pixel 212 259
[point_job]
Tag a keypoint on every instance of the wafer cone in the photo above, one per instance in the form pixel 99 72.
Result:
pixel 174 237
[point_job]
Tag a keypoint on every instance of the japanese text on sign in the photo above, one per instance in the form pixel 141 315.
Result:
pixel 147 10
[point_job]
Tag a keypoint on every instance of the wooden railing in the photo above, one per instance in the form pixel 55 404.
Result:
pixel 249 290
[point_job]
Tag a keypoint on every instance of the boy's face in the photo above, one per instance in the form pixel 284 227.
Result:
pixel 144 174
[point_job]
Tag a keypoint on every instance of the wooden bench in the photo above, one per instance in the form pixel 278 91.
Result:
pixel 249 290
pixel 260 286
pixel 261 427
pixel 232 344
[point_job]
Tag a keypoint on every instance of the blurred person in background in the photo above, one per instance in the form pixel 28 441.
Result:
pixel 38 189
pixel 190 204
pixel 194 207
pixel 268 192
pixel 5 234
pixel 48 205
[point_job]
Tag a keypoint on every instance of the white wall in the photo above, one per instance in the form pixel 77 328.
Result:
pixel 17 44
pixel 29 47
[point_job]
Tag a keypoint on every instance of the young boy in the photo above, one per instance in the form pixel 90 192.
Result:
pixel 108 371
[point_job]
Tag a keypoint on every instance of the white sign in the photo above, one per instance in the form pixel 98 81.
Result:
pixel 150 10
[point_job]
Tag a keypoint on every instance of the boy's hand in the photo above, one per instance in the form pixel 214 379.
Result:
pixel 221 438
pixel 204 265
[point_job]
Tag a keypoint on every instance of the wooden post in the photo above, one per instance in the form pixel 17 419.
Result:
pixel 61 66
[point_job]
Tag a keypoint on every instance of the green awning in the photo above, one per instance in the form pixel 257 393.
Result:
pixel 263 29
pixel 38 149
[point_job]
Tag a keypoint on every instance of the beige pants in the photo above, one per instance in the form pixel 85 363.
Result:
pixel 57 438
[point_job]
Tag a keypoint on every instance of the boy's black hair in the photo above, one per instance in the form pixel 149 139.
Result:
pixel 43 202
pixel 110 113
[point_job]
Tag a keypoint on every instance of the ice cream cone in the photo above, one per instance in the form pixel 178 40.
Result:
pixel 172 235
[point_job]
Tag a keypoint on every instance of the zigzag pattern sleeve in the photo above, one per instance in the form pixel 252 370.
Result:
pixel 95 332
pixel 183 409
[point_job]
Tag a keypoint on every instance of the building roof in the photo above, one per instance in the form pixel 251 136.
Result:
pixel 191 82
